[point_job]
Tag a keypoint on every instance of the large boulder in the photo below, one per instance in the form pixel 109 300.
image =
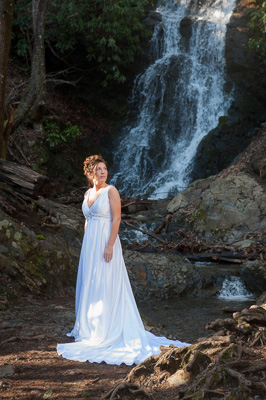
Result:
pixel 223 206
pixel 170 275
pixel 39 262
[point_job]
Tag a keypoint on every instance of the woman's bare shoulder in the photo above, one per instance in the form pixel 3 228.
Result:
pixel 113 192
pixel 86 193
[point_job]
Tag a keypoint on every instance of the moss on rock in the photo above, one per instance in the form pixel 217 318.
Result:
pixel 29 265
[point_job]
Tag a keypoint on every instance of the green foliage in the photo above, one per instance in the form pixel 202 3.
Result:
pixel 111 31
pixel 21 35
pixel 258 27
pixel 40 237
pixel 48 394
pixel 87 394
pixel 56 134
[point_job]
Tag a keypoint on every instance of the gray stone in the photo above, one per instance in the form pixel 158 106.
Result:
pixel 244 244
pixel 152 19
pixel 253 274
pixel 6 370
pixel 141 218
pixel 223 207
pixel 169 276
pixel 262 300
pixel 3 249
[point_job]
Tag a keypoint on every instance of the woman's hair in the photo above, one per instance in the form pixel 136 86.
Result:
pixel 90 163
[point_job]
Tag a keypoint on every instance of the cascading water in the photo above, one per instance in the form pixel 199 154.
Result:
pixel 234 289
pixel 177 100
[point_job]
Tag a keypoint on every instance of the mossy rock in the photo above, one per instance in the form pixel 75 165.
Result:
pixel 29 265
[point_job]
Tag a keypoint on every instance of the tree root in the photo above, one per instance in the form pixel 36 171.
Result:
pixel 259 385
pixel 256 368
pixel 217 367
pixel 242 381
pixel 204 394
pixel 259 337
pixel 20 338
pixel 131 388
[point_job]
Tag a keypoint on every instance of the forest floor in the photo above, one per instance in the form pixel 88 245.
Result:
pixel 31 368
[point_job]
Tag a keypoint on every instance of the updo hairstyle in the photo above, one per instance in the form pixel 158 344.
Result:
pixel 90 164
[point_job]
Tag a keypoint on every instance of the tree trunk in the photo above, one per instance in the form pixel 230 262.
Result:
pixel 6 15
pixel 33 103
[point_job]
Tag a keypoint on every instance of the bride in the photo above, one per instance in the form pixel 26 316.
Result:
pixel 108 326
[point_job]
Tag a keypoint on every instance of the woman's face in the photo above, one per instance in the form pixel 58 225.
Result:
pixel 100 172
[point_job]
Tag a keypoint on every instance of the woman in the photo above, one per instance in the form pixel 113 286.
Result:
pixel 108 326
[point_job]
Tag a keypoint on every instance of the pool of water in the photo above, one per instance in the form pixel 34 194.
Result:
pixel 185 318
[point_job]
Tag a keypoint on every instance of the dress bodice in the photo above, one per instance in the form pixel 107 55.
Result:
pixel 100 209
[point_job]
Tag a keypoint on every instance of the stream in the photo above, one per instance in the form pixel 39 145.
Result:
pixel 185 317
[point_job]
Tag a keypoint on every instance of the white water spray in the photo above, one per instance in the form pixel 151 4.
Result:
pixel 177 100
pixel 234 289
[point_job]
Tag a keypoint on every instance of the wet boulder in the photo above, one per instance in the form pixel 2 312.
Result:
pixel 253 274
pixel 168 276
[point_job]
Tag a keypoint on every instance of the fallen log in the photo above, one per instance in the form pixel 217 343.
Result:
pixel 71 199
pixel 145 232
pixel 22 179
pixel 234 257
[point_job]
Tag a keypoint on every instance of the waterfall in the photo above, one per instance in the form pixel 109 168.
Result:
pixel 234 289
pixel 177 100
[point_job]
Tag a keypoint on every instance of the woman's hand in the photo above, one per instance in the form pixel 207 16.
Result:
pixel 108 253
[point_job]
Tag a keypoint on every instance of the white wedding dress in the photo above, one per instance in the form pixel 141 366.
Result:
pixel 108 326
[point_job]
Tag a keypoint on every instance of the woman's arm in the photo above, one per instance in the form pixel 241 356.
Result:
pixel 115 205
pixel 86 197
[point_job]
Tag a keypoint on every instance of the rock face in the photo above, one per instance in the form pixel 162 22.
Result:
pixel 39 263
pixel 223 206
pixel 71 224
pixel 243 66
pixel 220 147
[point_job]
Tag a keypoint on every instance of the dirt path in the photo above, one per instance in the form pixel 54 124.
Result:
pixel 30 367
